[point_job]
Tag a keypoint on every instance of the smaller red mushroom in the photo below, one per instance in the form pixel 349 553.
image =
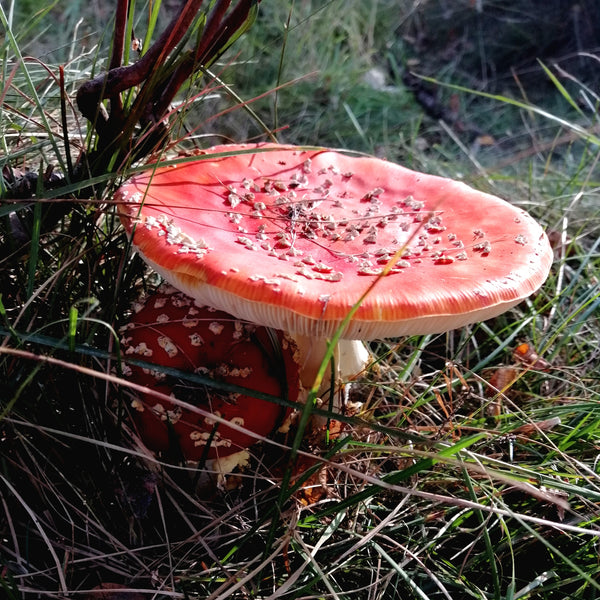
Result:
pixel 170 330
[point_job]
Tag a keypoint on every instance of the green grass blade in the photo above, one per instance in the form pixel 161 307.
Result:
pixel 561 88
pixel 35 245
pixel 581 132
pixel 32 89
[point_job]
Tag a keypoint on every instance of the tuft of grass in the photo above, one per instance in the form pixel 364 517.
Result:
pixel 469 470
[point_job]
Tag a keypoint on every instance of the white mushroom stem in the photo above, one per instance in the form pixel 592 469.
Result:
pixel 350 359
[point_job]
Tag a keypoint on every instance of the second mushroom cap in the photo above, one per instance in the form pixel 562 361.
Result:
pixel 170 330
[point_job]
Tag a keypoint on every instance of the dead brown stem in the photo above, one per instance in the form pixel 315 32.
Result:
pixel 159 81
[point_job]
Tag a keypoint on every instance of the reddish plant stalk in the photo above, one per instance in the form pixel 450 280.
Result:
pixel 159 81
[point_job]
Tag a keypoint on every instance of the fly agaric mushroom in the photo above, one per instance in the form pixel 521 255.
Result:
pixel 170 330
pixel 294 239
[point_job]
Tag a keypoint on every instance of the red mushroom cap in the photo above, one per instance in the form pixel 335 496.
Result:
pixel 170 330
pixel 293 238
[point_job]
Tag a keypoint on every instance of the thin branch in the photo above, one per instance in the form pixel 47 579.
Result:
pixel 212 26
pixel 116 58
pixel 119 79
pixel 219 31
pixel 159 73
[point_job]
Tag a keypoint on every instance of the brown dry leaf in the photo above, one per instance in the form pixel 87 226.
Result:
pixel 313 489
pixel 485 140
pixel 531 428
pixel 526 354
pixel 500 381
